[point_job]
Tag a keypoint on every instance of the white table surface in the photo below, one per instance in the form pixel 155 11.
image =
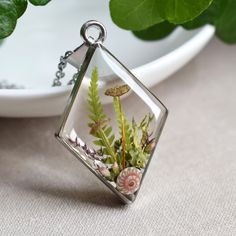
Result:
pixel 190 188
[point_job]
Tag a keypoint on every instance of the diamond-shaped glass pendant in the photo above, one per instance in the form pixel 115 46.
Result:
pixel 112 121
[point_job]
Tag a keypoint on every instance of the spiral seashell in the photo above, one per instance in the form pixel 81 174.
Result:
pixel 129 180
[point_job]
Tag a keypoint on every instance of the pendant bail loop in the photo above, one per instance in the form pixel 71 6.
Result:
pixel 93 24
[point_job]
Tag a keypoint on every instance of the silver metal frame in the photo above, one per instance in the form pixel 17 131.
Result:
pixel 81 74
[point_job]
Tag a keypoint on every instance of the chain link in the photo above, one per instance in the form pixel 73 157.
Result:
pixel 75 76
pixel 60 73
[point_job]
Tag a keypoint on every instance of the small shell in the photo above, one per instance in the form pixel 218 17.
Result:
pixel 128 180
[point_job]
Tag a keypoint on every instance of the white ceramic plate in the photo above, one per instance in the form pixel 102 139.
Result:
pixel 29 57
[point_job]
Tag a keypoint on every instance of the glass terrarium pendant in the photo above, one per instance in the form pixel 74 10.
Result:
pixel 112 121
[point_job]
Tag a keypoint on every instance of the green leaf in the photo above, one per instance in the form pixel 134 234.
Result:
pixel 10 10
pixel 39 2
pixel 111 139
pixel 98 143
pixel 99 125
pixel 226 23
pixel 21 6
pixel 108 131
pixel 95 106
pixel 8 17
pixel 208 16
pixel 180 11
pixel 156 32
pixel 135 14
pixel 135 134
pixel 221 14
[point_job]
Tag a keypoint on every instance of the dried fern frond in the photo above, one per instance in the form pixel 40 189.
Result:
pixel 99 125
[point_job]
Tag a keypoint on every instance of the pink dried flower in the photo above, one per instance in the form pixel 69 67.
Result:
pixel 129 180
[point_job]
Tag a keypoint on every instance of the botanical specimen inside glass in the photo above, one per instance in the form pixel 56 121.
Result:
pixel 112 123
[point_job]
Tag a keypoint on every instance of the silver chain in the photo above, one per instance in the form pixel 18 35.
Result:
pixel 4 84
pixel 89 41
pixel 60 73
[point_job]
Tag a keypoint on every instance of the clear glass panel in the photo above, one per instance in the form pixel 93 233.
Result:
pixel 113 124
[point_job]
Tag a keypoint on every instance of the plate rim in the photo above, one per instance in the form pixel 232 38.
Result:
pixel 206 33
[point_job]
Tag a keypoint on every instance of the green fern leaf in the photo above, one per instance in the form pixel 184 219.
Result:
pixel 98 143
pixel 99 125
pixel 111 139
pixel 108 131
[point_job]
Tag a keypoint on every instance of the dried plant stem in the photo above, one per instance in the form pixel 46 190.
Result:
pixel 122 127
